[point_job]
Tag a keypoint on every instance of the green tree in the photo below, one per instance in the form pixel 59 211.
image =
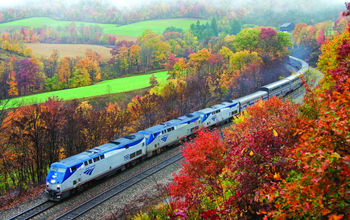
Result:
pixel 153 81
pixel 235 26
pixel 247 39
pixel 214 27
pixel 80 78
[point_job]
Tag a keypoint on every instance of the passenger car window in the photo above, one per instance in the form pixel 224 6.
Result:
pixel 85 163
pixel 90 161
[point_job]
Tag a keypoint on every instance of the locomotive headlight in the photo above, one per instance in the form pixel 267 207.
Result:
pixel 47 184
pixel 58 186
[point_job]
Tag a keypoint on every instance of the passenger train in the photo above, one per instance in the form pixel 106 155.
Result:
pixel 72 173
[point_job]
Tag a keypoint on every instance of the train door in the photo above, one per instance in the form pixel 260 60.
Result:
pixel 76 175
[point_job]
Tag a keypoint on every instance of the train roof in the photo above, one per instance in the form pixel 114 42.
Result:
pixel 172 123
pixel 252 96
pixel 295 75
pixel 276 84
pixel 218 106
pixel 206 110
pixel 154 129
pixel 230 103
pixel 189 117
pixel 130 140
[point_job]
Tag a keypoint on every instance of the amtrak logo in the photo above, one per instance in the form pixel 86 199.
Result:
pixel 164 138
pixel 89 170
pixel 127 157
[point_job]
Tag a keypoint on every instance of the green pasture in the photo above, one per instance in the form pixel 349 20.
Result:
pixel 158 26
pixel 134 29
pixel 119 85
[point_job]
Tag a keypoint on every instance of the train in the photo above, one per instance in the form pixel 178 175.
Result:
pixel 73 173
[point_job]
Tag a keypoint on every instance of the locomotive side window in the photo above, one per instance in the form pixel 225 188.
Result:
pixel 72 169
pixel 138 152
pixel 132 155
pixel 102 156
pixel 96 159
pixel 90 161
pixel 85 163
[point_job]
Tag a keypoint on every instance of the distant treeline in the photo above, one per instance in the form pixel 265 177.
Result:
pixel 32 137
pixel 260 13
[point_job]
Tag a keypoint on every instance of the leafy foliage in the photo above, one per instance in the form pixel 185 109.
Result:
pixel 228 179
pixel 278 162
pixel 321 189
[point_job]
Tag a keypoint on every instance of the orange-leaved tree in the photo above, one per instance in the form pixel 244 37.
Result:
pixel 321 187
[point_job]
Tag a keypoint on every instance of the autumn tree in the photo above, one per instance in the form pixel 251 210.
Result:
pixel 193 188
pixel 64 71
pixel 50 64
pixel 26 75
pixel 320 187
pixel 89 65
pixel 153 80
pixel 153 50
pixel 144 111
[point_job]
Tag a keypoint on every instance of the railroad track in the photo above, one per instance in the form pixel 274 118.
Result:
pixel 105 195
pixel 100 198
pixel 34 211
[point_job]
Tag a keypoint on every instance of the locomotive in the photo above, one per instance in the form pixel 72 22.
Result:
pixel 76 171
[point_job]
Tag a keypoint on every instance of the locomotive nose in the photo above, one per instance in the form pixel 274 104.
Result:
pixel 54 178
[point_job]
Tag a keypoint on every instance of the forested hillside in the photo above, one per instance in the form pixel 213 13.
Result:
pixel 278 159
pixel 36 136
pixel 273 12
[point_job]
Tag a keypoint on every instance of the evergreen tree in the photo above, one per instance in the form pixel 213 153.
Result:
pixel 236 26
pixel 214 27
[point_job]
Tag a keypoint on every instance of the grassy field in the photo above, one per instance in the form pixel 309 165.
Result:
pixel 135 29
pixel 68 50
pixel 106 87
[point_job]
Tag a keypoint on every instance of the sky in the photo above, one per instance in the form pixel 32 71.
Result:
pixel 130 3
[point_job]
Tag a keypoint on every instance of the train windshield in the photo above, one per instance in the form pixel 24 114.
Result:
pixel 59 170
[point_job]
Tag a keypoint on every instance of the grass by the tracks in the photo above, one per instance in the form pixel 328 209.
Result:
pixel 106 87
